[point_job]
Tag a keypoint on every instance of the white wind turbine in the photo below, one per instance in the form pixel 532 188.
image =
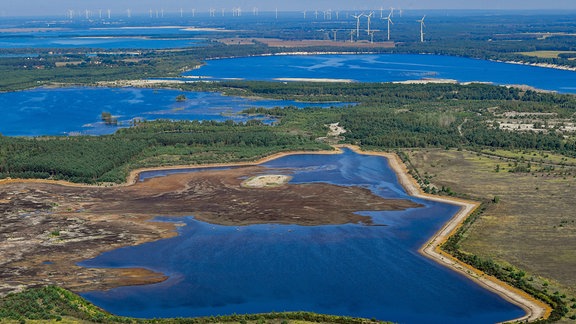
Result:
pixel 389 18
pixel 369 20
pixel 421 21
pixel 357 17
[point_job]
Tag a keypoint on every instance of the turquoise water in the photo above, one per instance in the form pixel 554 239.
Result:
pixel 356 270
pixel 387 68
pixel 78 110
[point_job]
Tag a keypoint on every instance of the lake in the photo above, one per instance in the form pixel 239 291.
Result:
pixel 386 68
pixel 77 110
pixel 106 38
pixel 353 269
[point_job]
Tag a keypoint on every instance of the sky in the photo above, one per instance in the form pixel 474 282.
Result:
pixel 56 7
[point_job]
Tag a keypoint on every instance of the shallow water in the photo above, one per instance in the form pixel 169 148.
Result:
pixel 356 270
pixel 387 68
pixel 78 110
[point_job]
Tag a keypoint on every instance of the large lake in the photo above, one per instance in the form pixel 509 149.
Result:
pixel 356 270
pixel 78 110
pixel 105 38
pixel 386 68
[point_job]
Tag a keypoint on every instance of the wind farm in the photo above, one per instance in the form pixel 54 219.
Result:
pixel 360 25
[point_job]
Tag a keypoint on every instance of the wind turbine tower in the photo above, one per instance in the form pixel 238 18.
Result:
pixel 357 17
pixel 129 13
pixel 109 13
pixel 304 12
pixel 421 21
pixel 389 18
pixel 369 18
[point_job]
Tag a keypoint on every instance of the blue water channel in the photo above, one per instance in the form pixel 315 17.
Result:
pixel 78 110
pixel 386 68
pixel 352 269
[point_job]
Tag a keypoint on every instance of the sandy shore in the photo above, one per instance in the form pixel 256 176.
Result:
pixel 534 309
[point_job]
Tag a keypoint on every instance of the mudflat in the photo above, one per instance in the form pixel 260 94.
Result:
pixel 47 228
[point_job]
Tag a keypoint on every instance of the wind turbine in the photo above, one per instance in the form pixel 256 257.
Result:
pixel 369 18
pixel 109 13
pixel 351 35
pixel 304 12
pixel 193 12
pixel 372 36
pixel 181 12
pixel 389 18
pixel 357 17
pixel 421 21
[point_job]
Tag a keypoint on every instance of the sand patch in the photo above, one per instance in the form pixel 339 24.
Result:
pixel 268 180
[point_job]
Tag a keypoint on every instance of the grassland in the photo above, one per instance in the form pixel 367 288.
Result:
pixel 547 54
pixel 531 227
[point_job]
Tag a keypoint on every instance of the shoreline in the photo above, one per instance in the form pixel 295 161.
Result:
pixel 533 308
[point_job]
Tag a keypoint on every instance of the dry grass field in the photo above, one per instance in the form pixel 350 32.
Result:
pixel 533 224
pixel 547 54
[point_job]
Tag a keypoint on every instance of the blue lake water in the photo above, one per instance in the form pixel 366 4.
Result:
pixel 78 110
pixel 356 270
pixel 106 38
pixel 386 68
